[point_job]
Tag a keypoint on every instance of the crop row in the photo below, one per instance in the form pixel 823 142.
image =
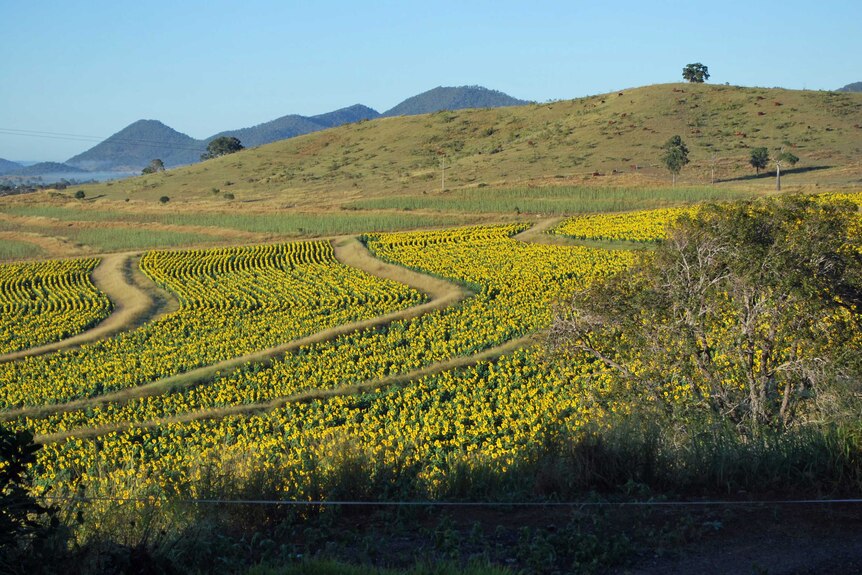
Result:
pixel 517 284
pixel 233 302
pixel 46 301
pixel 640 226
pixel 648 225
pixel 489 415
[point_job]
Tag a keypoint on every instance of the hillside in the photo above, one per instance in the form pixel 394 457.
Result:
pixel 854 87
pixel 7 166
pixel 135 145
pixel 612 139
pixel 453 98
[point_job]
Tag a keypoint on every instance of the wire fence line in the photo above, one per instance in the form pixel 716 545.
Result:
pixel 360 503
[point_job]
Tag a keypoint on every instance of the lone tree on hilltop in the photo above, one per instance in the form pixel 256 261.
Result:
pixel 222 146
pixel 759 159
pixel 154 166
pixel 675 156
pixel 695 73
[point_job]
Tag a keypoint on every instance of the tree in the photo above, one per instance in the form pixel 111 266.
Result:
pixel 675 156
pixel 221 147
pixel 154 166
pixel 164 199
pixel 695 73
pixel 21 516
pixel 759 159
pixel 80 195
pixel 748 313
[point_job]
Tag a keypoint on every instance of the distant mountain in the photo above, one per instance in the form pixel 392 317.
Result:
pixel 134 146
pixel 355 113
pixel 854 87
pixel 7 166
pixel 44 168
pixel 294 125
pixel 453 98
pixel 278 129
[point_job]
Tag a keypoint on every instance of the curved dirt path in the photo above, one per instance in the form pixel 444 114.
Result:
pixel 349 251
pixel 303 396
pixel 537 233
pixel 134 297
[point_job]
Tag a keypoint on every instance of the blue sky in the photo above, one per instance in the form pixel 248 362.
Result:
pixel 91 68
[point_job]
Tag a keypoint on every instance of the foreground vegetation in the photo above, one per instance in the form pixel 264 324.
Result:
pixel 722 363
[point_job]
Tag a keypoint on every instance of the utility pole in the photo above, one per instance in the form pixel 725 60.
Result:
pixel 778 156
pixel 442 173
pixel 713 169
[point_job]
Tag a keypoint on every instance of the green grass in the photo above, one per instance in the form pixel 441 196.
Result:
pixel 315 224
pixel 10 249
pixel 67 213
pixel 116 239
pixel 551 200
pixel 277 223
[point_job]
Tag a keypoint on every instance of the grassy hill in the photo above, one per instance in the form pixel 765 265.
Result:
pixel 600 153
pixel 609 139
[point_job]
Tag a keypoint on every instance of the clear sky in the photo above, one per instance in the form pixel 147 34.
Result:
pixel 92 67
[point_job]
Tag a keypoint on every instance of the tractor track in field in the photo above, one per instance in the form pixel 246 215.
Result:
pixel 134 299
pixel 349 251
pixel 300 397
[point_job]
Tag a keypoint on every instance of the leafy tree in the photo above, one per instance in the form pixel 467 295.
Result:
pixel 695 73
pixel 675 156
pixel 222 146
pixel 759 159
pixel 80 195
pixel 748 313
pixel 154 166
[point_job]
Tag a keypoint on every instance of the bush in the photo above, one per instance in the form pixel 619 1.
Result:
pixel 164 199
pixel 80 195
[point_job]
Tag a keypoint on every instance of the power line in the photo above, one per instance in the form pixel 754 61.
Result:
pixel 97 139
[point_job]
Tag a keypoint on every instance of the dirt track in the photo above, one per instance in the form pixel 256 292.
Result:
pixel 349 251
pixel 134 297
